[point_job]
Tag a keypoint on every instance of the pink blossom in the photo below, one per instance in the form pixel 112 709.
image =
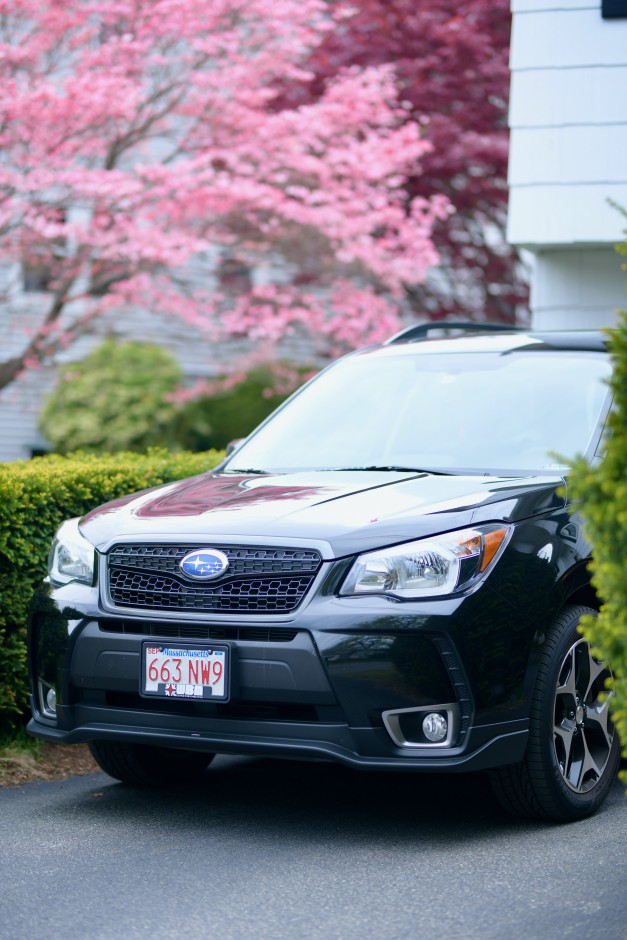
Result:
pixel 139 140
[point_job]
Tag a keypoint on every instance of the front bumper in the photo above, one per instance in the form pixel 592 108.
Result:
pixel 316 686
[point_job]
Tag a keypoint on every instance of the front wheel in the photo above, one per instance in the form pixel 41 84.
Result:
pixel 573 752
pixel 146 765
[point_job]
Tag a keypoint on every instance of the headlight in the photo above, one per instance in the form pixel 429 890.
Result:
pixel 433 567
pixel 71 556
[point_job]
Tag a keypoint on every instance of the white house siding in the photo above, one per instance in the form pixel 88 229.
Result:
pixel 568 157
pixel 19 409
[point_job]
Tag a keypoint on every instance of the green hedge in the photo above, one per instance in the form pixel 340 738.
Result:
pixel 603 494
pixel 35 497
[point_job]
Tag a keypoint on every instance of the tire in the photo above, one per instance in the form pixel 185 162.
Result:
pixel 573 751
pixel 145 765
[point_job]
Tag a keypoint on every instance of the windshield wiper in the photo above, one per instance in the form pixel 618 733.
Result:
pixel 243 470
pixel 383 468
pixel 397 469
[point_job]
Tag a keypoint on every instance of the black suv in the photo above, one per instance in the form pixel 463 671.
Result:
pixel 386 573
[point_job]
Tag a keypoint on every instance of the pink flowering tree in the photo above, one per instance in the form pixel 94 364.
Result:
pixel 140 140
pixel 451 59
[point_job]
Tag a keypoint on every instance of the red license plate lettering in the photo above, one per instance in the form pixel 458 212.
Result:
pixel 171 672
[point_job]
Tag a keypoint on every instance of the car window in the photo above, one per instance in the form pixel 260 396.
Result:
pixel 477 411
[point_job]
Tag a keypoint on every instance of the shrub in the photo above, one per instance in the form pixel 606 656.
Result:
pixel 214 421
pixel 603 492
pixel 35 497
pixel 114 400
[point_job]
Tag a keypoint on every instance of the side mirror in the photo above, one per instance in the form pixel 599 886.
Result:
pixel 232 446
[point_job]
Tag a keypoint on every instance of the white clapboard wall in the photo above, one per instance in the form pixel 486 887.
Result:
pixel 568 157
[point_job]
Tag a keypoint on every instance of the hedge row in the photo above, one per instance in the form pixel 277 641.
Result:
pixel 603 494
pixel 35 497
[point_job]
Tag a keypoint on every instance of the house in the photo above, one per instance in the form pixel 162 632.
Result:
pixel 568 156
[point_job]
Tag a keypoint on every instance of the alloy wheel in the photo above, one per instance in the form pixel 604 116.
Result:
pixel 582 729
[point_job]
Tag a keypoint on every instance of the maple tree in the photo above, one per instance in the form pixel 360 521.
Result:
pixel 140 138
pixel 452 61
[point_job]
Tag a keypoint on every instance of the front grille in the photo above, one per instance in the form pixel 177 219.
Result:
pixel 258 580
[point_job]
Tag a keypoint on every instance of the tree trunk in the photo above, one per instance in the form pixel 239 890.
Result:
pixel 10 369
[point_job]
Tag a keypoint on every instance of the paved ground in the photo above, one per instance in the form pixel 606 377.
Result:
pixel 269 849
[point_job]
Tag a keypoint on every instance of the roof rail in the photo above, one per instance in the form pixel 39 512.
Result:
pixel 422 330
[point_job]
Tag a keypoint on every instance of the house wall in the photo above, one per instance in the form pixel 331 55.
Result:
pixel 19 408
pixel 568 158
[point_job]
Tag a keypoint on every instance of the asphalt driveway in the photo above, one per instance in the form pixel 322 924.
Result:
pixel 270 849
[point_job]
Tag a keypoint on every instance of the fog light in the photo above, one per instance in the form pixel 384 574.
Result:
pixel 427 727
pixel 47 700
pixel 435 727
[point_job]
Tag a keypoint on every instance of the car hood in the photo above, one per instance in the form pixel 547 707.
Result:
pixel 344 511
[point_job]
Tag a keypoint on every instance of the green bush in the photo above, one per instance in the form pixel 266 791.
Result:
pixel 225 416
pixel 114 400
pixel 603 492
pixel 35 497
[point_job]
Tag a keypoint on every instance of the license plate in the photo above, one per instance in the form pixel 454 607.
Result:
pixel 185 672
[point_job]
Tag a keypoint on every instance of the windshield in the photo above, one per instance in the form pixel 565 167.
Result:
pixel 478 412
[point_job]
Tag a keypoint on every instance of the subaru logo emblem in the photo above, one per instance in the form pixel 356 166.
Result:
pixel 204 564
